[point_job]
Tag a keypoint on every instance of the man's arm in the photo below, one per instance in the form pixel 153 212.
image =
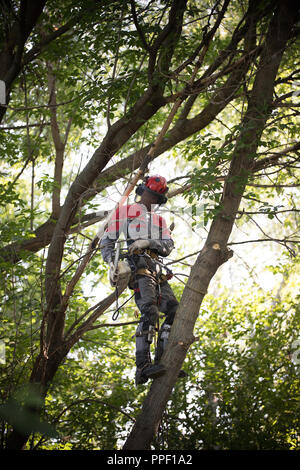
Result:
pixel 162 247
pixel 107 247
pixel 111 235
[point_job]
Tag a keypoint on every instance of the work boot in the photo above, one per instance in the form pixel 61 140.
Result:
pixel 149 371
pixel 162 342
pixel 142 353
pixel 139 377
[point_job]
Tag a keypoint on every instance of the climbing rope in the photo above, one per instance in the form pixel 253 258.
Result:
pixel 116 313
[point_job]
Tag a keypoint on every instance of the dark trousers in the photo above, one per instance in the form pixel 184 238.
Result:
pixel 151 300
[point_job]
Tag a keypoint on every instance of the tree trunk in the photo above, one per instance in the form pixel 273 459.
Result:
pixel 17 32
pixel 43 372
pixel 215 250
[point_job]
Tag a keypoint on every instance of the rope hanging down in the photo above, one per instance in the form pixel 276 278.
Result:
pixel 130 187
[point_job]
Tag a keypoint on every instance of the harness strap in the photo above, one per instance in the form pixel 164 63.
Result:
pixel 152 254
pixel 143 333
pixel 146 272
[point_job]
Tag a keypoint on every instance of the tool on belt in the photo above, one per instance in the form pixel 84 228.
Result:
pixel 124 266
pixel 122 255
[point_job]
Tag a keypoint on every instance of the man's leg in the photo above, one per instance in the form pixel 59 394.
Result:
pixel 168 305
pixel 146 300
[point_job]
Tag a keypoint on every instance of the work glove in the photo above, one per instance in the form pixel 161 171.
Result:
pixel 138 245
pixel 116 275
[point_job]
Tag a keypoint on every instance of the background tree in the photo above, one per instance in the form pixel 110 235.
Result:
pixel 113 80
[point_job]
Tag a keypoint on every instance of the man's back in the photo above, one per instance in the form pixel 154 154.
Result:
pixel 136 222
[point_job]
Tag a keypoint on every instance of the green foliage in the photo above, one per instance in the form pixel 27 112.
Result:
pixel 241 392
pixel 24 420
pixel 93 392
pixel 243 387
pixel 243 383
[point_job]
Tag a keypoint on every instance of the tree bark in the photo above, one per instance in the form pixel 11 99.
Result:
pixel 215 251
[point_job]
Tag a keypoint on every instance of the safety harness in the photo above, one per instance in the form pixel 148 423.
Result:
pixel 158 277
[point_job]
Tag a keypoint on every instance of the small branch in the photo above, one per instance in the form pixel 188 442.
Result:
pixel 24 126
pixel 274 185
pixel 272 159
pixel 290 78
pixel 68 128
pixel 28 108
pixel 277 240
pixel 115 67
pixel 29 154
pixel 90 400
pixel 267 212
pixel 236 243
pixel 52 102
pixel 138 28
pixel 98 310
pixel 59 142
pixel 38 48
pixel 207 38
pixel 113 324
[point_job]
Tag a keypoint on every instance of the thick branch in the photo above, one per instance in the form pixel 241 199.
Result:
pixel 163 46
pixel 137 25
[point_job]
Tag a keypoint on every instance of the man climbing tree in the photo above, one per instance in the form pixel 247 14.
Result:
pixel 147 238
pixel 229 66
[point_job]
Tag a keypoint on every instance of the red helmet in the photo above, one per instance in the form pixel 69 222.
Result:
pixel 157 184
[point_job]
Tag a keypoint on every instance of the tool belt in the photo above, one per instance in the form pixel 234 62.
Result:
pixel 152 254
pixel 147 266
pixel 146 272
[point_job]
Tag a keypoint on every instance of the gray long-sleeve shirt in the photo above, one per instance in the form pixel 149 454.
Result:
pixel 135 222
